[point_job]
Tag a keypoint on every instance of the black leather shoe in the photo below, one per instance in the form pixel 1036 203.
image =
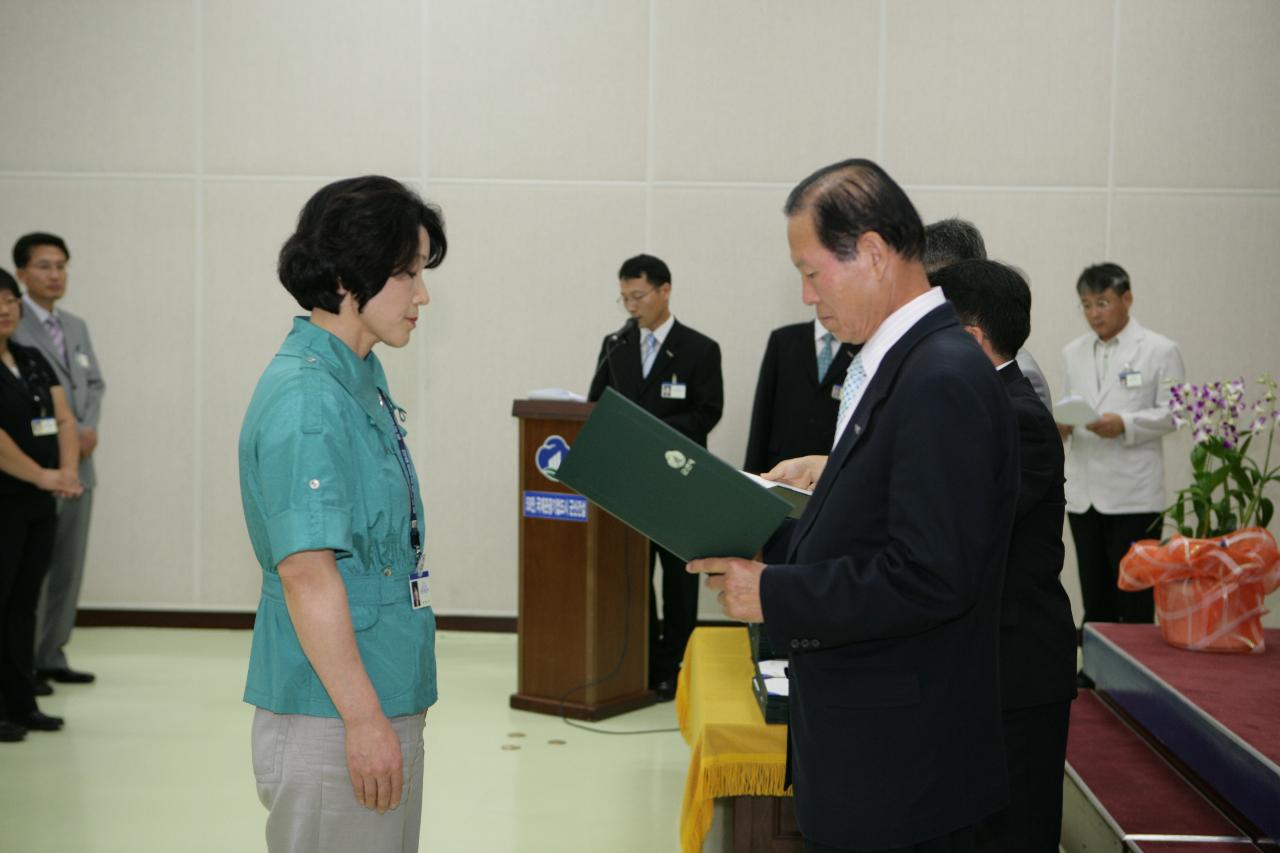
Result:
pixel 11 732
pixel 66 675
pixel 666 690
pixel 42 688
pixel 38 722
pixel 1083 681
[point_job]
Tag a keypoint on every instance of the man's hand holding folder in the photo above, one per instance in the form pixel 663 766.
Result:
pixel 737 581
pixel 737 584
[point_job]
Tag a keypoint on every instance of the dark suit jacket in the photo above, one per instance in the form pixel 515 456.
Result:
pixel 1037 630
pixel 889 602
pixel 689 356
pixel 794 414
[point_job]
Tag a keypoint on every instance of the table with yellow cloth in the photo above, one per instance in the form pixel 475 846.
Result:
pixel 734 752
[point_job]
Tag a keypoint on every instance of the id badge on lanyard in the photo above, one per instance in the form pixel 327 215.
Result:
pixel 419 590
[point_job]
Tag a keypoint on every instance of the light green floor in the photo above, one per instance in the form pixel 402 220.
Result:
pixel 155 757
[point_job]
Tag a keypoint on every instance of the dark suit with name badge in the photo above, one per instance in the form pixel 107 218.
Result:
pixel 1037 636
pixel 794 413
pixel 888 603
pixel 686 358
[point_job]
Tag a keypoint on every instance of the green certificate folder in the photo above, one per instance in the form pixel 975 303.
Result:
pixel 667 487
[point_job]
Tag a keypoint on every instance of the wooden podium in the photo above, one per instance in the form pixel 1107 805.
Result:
pixel 584 584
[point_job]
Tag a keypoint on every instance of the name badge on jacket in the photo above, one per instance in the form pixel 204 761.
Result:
pixel 41 427
pixel 1130 378
pixel 674 390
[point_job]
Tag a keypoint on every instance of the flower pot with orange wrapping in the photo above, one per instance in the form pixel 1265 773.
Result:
pixel 1212 578
pixel 1209 592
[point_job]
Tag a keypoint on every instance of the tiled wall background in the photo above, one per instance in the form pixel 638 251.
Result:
pixel 173 143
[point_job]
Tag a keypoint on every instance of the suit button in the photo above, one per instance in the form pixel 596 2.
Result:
pixel 804 644
pixel 386 572
pixel 816 644
pixel 795 644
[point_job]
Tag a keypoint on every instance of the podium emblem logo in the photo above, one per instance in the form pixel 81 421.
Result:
pixel 676 459
pixel 550 455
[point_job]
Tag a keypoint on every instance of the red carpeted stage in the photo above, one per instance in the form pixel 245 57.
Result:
pixel 1216 714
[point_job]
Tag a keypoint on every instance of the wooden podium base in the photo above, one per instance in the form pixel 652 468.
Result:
pixel 579 711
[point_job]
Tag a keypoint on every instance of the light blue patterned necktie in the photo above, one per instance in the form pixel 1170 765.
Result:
pixel 650 351
pixel 826 355
pixel 854 378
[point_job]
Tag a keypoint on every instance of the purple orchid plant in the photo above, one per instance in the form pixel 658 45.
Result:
pixel 1226 492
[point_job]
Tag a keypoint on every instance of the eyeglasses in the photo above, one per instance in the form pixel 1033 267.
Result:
pixel 634 298
pixel 9 301
pixel 1101 305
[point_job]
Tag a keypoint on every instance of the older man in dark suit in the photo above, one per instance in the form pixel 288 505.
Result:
pixel 63 338
pixel 673 372
pixel 1037 632
pixel 887 592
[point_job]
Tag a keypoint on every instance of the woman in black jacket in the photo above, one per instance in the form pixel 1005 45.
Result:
pixel 39 453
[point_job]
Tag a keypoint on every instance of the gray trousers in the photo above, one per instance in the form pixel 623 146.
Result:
pixel 56 613
pixel 301 767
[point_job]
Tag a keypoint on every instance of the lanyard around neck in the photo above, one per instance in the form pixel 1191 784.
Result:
pixel 406 468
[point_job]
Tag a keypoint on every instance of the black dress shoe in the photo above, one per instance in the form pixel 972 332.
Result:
pixel 38 722
pixel 666 690
pixel 11 732
pixel 66 675
pixel 1083 681
pixel 42 688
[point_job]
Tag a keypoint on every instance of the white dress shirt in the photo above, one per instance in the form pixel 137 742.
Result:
pixel 882 340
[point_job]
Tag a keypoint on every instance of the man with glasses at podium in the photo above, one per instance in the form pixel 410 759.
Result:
pixel 673 372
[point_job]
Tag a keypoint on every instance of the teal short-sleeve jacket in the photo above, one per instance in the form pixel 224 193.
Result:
pixel 320 468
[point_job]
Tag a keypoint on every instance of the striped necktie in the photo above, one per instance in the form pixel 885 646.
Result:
pixel 854 378
pixel 650 352
pixel 55 332
pixel 826 355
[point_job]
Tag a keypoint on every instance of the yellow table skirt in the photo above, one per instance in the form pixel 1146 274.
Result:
pixel 734 752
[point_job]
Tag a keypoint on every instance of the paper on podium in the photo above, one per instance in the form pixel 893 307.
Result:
pixel 1074 411
pixel 671 489
pixel 556 394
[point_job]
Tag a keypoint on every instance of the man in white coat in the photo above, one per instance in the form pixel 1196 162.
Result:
pixel 1115 465
pixel 63 338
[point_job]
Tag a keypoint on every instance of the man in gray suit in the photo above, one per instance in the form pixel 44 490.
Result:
pixel 950 241
pixel 63 339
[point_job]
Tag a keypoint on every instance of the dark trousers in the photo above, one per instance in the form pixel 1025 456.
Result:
pixel 679 614
pixel 1035 747
pixel 1101 540
pixel 962 840
pixel 26 540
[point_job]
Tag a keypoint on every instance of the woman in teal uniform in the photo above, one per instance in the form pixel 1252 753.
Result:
pixel 342 669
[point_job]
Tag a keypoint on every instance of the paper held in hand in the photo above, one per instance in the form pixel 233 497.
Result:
pixel 793 495
pixel 1074 411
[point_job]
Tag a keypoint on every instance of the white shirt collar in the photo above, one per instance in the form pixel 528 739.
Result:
pixel 41 314
pixel 660 333
pixel 895 326
pixel 882 340
pixel 819 330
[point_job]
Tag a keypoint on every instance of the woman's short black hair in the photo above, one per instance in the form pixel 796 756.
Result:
pixel 355 234
pixel 7 282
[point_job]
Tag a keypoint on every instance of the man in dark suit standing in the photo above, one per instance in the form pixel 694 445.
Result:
pixel 797 394
pixel 887 592
pixel 1037 631
pixel 673 372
